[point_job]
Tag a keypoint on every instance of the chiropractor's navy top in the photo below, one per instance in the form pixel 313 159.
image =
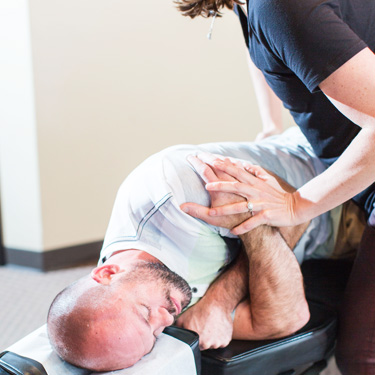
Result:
pixel 297 44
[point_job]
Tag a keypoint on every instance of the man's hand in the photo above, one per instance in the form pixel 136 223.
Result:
pixel 203 166
pixel 210 320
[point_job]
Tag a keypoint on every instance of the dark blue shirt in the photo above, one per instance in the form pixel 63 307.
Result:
pixel 299 43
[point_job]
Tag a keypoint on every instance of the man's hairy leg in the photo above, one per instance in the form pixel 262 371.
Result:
pixel 292 235
pixel 276 305
pixel 212 316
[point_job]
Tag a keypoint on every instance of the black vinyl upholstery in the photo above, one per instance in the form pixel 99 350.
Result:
pixel 14 364
pixel 189 337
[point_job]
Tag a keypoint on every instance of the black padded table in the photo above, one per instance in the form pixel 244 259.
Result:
pixel 307 349
pixel 305 352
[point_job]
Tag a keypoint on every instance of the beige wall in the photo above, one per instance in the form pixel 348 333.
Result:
pixel 19 169
pixel 114 81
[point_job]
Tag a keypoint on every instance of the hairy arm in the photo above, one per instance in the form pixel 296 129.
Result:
pixel 211 316
pixel 264 286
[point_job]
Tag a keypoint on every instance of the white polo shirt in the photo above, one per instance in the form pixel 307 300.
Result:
pixel 147 215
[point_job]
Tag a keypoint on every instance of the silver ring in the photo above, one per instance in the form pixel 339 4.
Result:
pixel 250 207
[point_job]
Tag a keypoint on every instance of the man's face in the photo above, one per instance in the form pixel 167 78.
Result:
pixel 148 301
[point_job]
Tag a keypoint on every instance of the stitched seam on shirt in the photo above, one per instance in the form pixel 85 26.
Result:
pixel 143 222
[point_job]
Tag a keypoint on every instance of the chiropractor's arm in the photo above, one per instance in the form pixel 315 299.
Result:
pixel 351 88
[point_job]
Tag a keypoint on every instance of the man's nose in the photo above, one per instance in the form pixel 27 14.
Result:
pixel 162 319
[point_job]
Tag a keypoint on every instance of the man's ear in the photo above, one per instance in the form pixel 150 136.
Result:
pixel 103 274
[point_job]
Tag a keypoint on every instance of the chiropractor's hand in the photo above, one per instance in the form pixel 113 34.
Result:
pixel 203 166
pixel 210 320
pixel 273 200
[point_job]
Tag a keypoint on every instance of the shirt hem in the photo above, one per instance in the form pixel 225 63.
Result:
pixel 313 85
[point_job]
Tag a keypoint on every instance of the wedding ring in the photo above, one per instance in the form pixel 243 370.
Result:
pixel 250 208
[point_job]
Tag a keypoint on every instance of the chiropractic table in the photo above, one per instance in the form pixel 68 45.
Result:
pixel 177 350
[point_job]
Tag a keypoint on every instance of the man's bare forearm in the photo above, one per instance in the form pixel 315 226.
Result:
pixel 276 305
pixel 231 287
pixel 211 315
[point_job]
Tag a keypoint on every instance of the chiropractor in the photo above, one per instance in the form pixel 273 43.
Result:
pixel 318 59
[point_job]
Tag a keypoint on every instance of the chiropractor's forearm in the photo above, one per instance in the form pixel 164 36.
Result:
pixel 351 89
pixel 277 304
pixel 348 176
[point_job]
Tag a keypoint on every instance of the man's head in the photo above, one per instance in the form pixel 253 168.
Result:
pixel 110 319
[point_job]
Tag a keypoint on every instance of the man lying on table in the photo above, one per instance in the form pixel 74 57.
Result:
pixel 157 260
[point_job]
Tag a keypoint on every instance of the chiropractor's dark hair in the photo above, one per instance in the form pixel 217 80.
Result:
pixel 204 8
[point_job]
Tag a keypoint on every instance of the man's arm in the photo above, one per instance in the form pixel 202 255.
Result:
pixel 211 316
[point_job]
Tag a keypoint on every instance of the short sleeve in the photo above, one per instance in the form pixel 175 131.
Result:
pixel 309 37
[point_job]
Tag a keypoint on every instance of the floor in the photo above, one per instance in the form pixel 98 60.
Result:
pixel 25 296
